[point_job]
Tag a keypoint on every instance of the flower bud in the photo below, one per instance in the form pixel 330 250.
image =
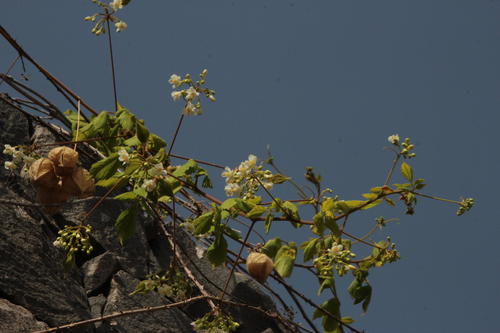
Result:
pixel 42 173
pixel 259 266
pixel 65 160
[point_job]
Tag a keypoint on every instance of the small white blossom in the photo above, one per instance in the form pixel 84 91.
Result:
pixel 10 165
pixel 9 150
pixel 149 185
pixel 228 174
pixel 58 243
pixel 252 160
pixel 335 249
pixel 120 26
pixel 267 185
pixel 200 251
pixel 191 94
pixel 189 109
pixel 116 4
pixel 232 189
pixel 176 95
pixel 158 170
pixel 394 139
pixel 18 156
pixel 175 80
pixel 123 156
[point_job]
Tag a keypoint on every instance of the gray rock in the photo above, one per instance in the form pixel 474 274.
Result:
pixel 98 271
pixel 31 272
pixel 119 299
pixel 97 304
pixel 15 318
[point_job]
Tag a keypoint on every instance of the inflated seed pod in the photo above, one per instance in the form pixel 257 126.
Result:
pixel 259 266
pixel 53 198
pixel 65 160
pixel 42 173
pixel 80 183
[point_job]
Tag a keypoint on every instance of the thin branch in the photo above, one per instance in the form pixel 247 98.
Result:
pixel 107 18
pixel 10 68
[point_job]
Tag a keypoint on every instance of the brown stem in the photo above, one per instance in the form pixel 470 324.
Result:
pixel 107 18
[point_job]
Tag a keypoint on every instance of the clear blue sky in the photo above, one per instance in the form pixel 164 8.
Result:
pixel 324 83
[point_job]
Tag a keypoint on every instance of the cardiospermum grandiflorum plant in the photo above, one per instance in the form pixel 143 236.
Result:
pixel 141 169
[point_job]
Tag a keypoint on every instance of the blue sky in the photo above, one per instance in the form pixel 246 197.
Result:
pixel 323 83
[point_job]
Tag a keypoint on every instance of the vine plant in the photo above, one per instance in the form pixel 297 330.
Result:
pixel 141 165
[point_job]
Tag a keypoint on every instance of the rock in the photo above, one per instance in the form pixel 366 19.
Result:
pixel 31 272
pixel 98 271
pixel 165 321
pixel 15 318
pixel 97 304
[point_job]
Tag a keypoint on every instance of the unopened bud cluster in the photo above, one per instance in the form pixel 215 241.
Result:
pixel 215 323
pixel 465 205
pixel 247 178
pixel 406 146
pixel 74 238
pixel 191 94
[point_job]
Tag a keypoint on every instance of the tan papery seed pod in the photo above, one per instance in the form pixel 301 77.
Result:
pixel 51 197
pixel 259 266
pixel 42 173
pixel 65 159
pixel 80 183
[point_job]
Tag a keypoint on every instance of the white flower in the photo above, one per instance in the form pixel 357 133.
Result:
pixel 335 249
pixel 120 26
pixel 158 170
pixel 58 243
pixel 176 95
pixel 228 174
pixel 200 251
pixel 252 160
pixel 268 185
pixel 9 150
pixel 10 165
pixel 232 189
pixel 18 155
pixel 191 94
pixel 394 139
pixel 123 156
pixel 116 4
pixel 175 80
pixel 149 185
pixel 189 109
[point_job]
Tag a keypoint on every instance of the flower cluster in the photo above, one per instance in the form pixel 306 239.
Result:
pixel 465 206
pixel 406 146
pixel 73 239
pixel 18 157
pixel 171 283
pixel 191 94
pixel 113 7
pixel 338 257
pixel 247 178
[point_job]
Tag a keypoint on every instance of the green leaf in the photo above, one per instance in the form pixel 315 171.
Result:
pixel 285 259
pixel 310 249
pixel 271 247
pixel 133 141
pixel 155 143
pixel 292 211
pixel 106 167
pixel 127 121
pixel 116 181
pixel 203 223
pixel 142 132
pixel 127 196
pixel 101 121
pixel 217 252
pixel 256 212
pixel 141 192
pixel 165 188
pixel 187 168
pixel 244 205
pixel 268 222
pixel 407 171
pixel 125 223
pixel 228 204
pixel 330 325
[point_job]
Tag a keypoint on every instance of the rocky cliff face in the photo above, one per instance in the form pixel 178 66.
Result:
pixel 35 293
